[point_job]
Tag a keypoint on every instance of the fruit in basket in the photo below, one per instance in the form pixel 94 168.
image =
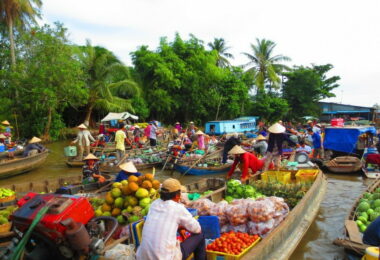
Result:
pixel 144 202
pixel 156 184
pixel 116 212
pixel 133 187
pixel 132 178
pixel 132 201
pixel 142 193
pixel 116 192
pixel 109 199
pixel 232 243
pixel 3 220
pixel 116 185
pixel 124 182
pixel 119 202
pixel 4 193
pixel 363 206
pixel 106 207
pixel 149 177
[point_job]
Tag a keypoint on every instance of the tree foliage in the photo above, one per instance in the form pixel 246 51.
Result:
pixel 269 106
pixel 219 46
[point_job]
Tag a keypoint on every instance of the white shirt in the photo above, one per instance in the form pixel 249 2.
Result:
pixel 306 149
pixel 153 130
pixel 159 236
pixel 83 138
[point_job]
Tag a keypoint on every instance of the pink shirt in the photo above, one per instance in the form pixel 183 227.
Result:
pixel 201 142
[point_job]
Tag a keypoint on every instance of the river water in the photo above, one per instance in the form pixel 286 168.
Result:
pixel 316 244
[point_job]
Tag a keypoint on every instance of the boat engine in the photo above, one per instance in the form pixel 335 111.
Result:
pixel 68 229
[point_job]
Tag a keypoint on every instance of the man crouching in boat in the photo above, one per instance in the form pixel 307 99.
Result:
pixel 90 170
pixel 166 217
pixel 247 161
pixel 127 169
pixel 33 147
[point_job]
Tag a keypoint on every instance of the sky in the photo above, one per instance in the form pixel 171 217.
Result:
pixel 344 33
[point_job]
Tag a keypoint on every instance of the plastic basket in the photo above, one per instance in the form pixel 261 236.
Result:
pixel 276 176
pixel 193 212
pixel 307 175
pixel 284 177
pixel 7 199
pixel 2 148
pixel 213 255
pixel 210 226
pixel 70 151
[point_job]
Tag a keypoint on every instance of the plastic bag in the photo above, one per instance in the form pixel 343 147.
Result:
pixel 226 228
pixel 121 252
pixel 219 210
pixel 185 199
pixel 237 212
pixel 241 228
pixel 281 208
pixel 261 210
pixel 203 206
pixel 260 228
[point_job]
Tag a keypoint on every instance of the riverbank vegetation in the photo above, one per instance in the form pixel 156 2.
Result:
pixel 49 83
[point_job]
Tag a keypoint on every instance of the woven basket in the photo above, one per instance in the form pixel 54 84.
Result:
pixel 4 228
pixel 7 199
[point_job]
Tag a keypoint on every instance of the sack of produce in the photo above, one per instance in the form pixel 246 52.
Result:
pixel 241 228
pixel 261 210
pixel 237 212
pixel 185 199
pixel 219 211
pixel 203 206
pixel 260 228
pixel 281 208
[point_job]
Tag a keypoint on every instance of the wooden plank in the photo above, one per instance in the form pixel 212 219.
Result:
pixel 353 231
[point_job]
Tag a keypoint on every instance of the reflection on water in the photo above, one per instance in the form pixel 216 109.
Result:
pixel 317 243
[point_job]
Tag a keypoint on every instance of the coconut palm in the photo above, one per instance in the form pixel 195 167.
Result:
pixel 20 14
pixel 219 45
pixel 264 65
pixel 108 82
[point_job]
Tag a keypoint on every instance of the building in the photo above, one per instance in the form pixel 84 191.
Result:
pixel 238 125
pixel 348 112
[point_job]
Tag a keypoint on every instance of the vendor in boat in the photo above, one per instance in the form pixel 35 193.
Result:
pixel 277 137
pixel 247 161
pixel 7 130
pixel 303 148
pixel 166 217
pixel 261 145
pixel 229 144
pixel 201 140
pixel 84 139
pixel 120 138
pixel 90 170
pixel 33 147
pixel 127 169
pixel 317 143
pixel 137 133
pixel 371 235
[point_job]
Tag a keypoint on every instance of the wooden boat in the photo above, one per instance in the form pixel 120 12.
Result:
pixel 371 173
pixel 201 170
pixel 352 240
pixel 21 165
pixel 344 164
pixel 215 184
pixel 283 240
pixel 107 168
pixel 15 153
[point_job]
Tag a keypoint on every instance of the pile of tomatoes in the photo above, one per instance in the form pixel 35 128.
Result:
pixel 232 243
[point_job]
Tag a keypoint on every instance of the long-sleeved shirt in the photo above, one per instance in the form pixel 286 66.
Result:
pixel 35 146
pixel 159 237
pixel 201 142
pixel 147 131
pixel 153 134
pixel 278 140
pixel 88 172
pixel 248 161
pixel 230 143
pixel 84 138
pixel 262 146
pixel 123 175
pixel 316 140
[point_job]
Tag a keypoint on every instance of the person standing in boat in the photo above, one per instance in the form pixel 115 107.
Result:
pixel 33 147
pixel 247 161
pixel 90 170
pixel 201 140
pixel 317 143
pixel 153 134
pixel 7 130
pixel 127 169
pixel 120 138
pixel 84 139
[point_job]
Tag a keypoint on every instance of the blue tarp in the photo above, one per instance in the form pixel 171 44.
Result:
pixel 344 139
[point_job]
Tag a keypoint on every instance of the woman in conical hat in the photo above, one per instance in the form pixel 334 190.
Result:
pixel 33 147
pixel 247 161
pixel 261 145
pixel 90 170
pixel 127 169
pixel 201 140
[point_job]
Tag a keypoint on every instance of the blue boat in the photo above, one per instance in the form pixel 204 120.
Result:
pixel 238 125
pixel 183 168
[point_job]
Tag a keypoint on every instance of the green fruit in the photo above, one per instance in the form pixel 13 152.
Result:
pixel 363 206
pixel 364 214
pixel 362 228
pixel 120 219
pixel 3 220
pixel 116 185
pixel 376 203
pixel 142 193
pixel 119 202
pixel 98 212
pixel 370 211
pixel 366 195
pixel 132 201
pixel 124 211
pixel 129 209
pixel 132 219
pixel 362 219
pixel 124 182
pixel 374 216
pixel 107 213
pixel 376 196
pixel 144 202
pixel 377 209
pixel 358 222
pixel 116 192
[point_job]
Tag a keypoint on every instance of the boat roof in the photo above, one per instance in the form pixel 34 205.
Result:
pixel 239 119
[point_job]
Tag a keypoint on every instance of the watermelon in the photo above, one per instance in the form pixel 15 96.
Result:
pixel 363 206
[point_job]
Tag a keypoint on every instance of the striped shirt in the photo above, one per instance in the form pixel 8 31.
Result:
pixel 159 237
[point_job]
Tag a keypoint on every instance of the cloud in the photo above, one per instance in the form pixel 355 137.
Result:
pixel 343 33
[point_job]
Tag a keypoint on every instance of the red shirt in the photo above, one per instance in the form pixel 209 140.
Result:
pixel 248 161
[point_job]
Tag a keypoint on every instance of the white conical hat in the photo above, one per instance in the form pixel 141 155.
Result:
pixel 5 122
pixel 260 137
pixel 199 132
pixel 276 129
pixel 2 136
pixel 90 157
pixel 128 167
pixel 82 126
pixel 35 140
pixel 237 150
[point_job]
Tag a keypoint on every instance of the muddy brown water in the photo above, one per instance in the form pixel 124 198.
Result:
pixel 316 244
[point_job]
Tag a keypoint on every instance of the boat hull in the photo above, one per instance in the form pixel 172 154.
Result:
pixel 201 170
pixel 344 164
pixel 22 165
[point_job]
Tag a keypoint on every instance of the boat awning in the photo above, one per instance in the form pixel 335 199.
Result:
pixel 119 116
pixel 344 139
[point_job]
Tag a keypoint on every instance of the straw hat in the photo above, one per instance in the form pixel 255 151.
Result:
pixel 237 150
pixel 276 129
pixel 199 132
pixel 172 185
pixel 177 123
pixel 128 167
pixel 5 122
pixel 2 136
pixel 191 123
pixel 35 140
pixel 309 121
pixel 318 125
pixel 136 126
pixel 90 157
pixel 82 126
pixel 260 137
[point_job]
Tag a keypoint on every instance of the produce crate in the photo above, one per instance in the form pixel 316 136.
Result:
pixel 306 175
pixel 210 226
pixel 213 255
pixel 276 176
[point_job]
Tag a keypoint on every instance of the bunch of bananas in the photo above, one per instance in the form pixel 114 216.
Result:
pixel 6 193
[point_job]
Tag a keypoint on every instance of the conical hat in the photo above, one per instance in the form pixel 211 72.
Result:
pixel 90 157
pixel 260 137
pixel 276 129
pixel 2 136
pixel 237 150
pixel 177 123
pixel 35 140
pixel 82 126
pixel 5 122
pixel 199 132
pixel 128 167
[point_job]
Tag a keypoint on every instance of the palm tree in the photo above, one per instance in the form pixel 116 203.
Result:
pixel 264 65
pixel 219 45
pixel 18 13
pixel 108 81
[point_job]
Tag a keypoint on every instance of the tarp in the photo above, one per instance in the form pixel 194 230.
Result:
pixel 344 139
pixel 119 116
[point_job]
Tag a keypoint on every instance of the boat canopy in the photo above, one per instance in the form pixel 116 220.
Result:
pixel 344 139
pixel 119 116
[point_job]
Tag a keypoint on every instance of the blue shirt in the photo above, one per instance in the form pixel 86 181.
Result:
pixel 250 135
pixel 122 175
pixel 316 140
pixel 371 235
